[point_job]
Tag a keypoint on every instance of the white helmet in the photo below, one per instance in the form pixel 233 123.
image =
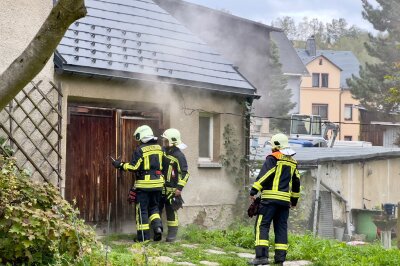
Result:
pixel 144 134
pixel 174 138
pixel 281 142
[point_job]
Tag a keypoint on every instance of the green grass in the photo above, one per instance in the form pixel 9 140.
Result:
pixel 238 238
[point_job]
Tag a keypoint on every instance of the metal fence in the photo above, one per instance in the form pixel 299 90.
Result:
pixel 30 129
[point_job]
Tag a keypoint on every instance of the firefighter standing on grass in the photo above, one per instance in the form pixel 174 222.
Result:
pixel 146 163
pixel 279 186
pixel 175 170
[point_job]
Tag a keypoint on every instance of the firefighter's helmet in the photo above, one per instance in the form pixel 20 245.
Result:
pixel 279 141
pixel 174 138
pixel 144 134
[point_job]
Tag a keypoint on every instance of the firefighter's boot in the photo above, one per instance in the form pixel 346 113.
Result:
pixel 280 256
pixel 172 232
pixel 157 233
pixel 261 256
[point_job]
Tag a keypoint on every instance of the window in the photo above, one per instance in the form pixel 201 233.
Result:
pixel 348 112
pixel 348 138
pixel 324 80
pixel 205 136
pixel 321 110
pixel 315 80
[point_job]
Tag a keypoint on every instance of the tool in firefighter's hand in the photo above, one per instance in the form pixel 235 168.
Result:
pixel 132 196
pixel 176 202
pixel 254 207
pixel 116 162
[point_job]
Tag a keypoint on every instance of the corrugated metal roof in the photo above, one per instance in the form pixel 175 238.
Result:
pixel 345 60
pixel 126 37
pixel 307 156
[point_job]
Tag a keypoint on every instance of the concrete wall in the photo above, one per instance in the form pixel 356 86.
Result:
pixel 19 22
pixel 210 192
pixel 369 183
pixel 335 97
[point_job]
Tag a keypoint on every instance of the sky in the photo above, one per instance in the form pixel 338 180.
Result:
pixel 267 10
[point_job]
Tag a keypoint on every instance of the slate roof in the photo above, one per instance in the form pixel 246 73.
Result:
pixel 345 60
pixel 291 63
pixel 137 39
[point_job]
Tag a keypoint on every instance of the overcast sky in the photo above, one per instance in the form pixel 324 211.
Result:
pixel 267 10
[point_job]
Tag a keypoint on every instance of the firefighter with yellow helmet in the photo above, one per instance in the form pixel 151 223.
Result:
pixel 279 186
pixel 175 171
pixel 146 163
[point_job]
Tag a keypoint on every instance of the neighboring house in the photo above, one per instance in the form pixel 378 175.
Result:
pixel 352 179
pixel 247 44
pixel 124 65
pixel 325 91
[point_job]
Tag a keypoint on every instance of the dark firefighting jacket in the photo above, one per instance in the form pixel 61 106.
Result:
pixel 175 168
pixel 279 180
pixel 147 164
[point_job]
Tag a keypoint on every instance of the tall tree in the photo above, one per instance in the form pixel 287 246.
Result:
pixel 39 50
pixel 279 97
pixel 372 88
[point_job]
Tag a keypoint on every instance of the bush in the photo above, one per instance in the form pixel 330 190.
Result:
pixel 37 226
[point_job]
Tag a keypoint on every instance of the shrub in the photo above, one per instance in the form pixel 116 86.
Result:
pixel 37 226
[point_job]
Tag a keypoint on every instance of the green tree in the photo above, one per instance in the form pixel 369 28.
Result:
pixel 279 97
pixel 373 88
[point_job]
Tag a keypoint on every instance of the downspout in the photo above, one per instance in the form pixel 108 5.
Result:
pixel 340 113
pixel 316 200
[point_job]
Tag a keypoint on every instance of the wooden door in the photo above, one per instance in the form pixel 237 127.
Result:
pixel 90 177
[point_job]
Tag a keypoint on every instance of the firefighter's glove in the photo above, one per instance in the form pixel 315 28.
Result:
pixel 117 164
pixel 177 203
pixel 254 207
pixel 132 196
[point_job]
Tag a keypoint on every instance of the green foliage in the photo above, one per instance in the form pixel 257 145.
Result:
pixel 36 225
pixel 278 100
pixel 5 149
pixel 373 88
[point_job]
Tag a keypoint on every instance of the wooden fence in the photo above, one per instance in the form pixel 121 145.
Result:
pixel 30 126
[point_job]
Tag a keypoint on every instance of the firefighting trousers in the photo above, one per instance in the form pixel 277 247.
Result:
pixel 147 213
pixel 278 214
pixel 172 216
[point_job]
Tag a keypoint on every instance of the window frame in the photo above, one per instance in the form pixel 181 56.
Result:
pixel 351 112
pixel 312 80
pixel 322 80
pixel 319 105
pixel 211 138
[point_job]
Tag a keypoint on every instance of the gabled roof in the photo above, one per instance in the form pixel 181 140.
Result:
pixel 291 63
pixel 136 39
pixel 345 60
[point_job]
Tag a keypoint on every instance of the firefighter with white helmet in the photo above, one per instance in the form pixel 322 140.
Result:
pixel 175 170
pixel 279 186
pixel 146 163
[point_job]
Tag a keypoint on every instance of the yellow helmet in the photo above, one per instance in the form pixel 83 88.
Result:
pixel 144 134
pixel 279 141
pixel 174 138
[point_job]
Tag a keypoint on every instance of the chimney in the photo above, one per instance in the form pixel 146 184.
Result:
pixel 311 47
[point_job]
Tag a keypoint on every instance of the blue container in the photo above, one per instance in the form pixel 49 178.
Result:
pixel 389 208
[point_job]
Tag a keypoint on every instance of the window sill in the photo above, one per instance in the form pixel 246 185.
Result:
pixel 201 164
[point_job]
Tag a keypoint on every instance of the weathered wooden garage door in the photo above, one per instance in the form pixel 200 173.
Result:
pixel 92 135
pixel 90 177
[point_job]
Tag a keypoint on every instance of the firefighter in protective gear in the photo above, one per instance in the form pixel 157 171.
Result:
pixel 146 163
pixel 279 185
pixel 175 170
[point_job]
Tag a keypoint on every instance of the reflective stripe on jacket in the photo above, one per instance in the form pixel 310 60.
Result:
pixel 279 179
pixel 147 164
pixel 175 168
